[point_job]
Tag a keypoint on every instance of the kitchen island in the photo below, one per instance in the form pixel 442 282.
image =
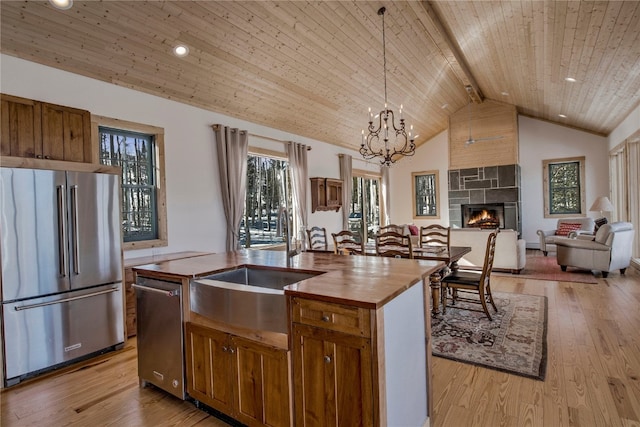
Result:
pixel 355 350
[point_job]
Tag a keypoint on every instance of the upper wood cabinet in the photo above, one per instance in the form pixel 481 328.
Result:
pixel 40 130
pixel 21 127
pixel 326 194
pixel 66 133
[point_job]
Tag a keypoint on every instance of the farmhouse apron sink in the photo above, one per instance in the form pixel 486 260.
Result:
pixel 250 296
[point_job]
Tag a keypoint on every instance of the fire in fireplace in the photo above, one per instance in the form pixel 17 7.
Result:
pixel 487 215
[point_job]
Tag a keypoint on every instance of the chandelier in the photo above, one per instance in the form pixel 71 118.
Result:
pixel 377 142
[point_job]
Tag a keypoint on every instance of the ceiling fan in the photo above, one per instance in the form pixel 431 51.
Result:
pixel 472 140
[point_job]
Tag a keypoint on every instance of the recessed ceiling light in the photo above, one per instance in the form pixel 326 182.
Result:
pixel 181 50
pixel 504 93
pixel 61 4
pixel 562 116
pixel 443 106
pixel 570 79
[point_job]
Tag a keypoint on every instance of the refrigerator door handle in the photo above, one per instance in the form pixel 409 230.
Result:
pixel 172 293
pixel 62 232
pixel 60 301
pixel 74 223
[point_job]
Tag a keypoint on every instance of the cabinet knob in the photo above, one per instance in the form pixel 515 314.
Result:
pixel 225 348
pixel 325 318
pixel 232 350
pixel 327 359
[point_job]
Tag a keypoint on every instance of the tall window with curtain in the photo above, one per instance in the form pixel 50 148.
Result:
pixel 364 209
pixel 624 167
pixel 268 190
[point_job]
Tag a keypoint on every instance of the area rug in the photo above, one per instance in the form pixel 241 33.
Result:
pixel 540 267
pixel 514 342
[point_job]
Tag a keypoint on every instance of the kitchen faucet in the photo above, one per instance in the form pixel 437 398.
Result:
pixel 285 225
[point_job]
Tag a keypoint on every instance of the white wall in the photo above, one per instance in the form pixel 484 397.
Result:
pixel 540 140
pixel 194 210
pixel 432 155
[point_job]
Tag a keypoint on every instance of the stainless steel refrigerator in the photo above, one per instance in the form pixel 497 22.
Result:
pixel 61 269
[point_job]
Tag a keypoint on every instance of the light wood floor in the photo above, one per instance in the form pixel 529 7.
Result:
pixel 593 375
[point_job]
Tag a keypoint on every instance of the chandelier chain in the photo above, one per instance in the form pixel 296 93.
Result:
pixel 384 56
pixel 377 143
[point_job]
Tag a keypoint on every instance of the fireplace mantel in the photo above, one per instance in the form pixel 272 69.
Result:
pixel 486 185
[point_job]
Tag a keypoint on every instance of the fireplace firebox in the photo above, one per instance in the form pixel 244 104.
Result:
pixel 486 215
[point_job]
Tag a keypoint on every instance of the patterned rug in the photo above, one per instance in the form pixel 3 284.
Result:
pixel 540 267
pixel 514 342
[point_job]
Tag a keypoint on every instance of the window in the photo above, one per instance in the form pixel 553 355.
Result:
pixel 268 189
pixel 425 195
pixel 138 150
pixel 364 213
pixel 564 187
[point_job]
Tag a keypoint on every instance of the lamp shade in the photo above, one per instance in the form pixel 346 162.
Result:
pixel 602 204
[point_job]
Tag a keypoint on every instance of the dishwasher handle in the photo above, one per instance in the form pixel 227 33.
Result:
pixel 171 293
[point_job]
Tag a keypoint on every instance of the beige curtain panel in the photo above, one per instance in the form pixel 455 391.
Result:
pixel 232 145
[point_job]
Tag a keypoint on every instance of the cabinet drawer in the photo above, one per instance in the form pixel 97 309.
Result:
pixel 336 317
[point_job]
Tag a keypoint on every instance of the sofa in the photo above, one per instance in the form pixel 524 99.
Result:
pixel 510 252
pixel 566 228
pixel 609 250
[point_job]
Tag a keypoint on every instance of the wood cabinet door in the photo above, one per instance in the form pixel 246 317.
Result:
pixel 66 133
pixel 334 193
pixel 333 378
pixel 21 127
pixel 262 384
pixel 208 364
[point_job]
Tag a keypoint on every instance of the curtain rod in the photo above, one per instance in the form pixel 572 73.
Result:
pixel 274 139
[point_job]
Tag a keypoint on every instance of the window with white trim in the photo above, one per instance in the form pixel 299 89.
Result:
pixel 138 150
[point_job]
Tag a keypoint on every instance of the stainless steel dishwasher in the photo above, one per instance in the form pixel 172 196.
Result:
pixel 160 336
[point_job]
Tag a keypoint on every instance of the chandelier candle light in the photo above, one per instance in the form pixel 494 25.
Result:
pixel 371 146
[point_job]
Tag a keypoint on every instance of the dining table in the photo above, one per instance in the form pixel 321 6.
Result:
pixel 449 257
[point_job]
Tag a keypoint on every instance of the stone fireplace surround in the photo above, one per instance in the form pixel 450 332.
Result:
pixel 488 184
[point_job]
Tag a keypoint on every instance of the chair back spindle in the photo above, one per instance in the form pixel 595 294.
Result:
pixel 435 235
pixel 392 244
pixel 317 238
pixel 347 242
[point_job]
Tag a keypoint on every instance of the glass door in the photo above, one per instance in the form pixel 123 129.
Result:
pixel 364 211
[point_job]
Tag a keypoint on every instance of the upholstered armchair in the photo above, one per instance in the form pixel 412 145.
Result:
pixel 609 250
pixel 565 226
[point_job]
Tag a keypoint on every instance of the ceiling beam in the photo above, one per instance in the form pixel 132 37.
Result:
pixel 451 52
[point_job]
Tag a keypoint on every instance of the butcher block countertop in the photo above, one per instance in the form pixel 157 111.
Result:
pixel 364 281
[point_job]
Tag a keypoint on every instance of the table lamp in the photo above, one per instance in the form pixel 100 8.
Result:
pixel 602 204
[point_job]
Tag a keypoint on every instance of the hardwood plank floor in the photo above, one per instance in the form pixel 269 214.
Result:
pixel 593 374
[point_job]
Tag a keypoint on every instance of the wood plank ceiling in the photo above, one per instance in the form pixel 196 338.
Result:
pixel 313 67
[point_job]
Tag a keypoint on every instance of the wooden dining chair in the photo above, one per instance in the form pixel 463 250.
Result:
pixel 392 244
pixel 472 281
pixel 347 242
pixel 317 239
pixel 435 235
pixel 391 227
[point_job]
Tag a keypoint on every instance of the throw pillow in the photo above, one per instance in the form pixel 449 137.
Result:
pixel 413 229
pixel 599 223
pixel 564 228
